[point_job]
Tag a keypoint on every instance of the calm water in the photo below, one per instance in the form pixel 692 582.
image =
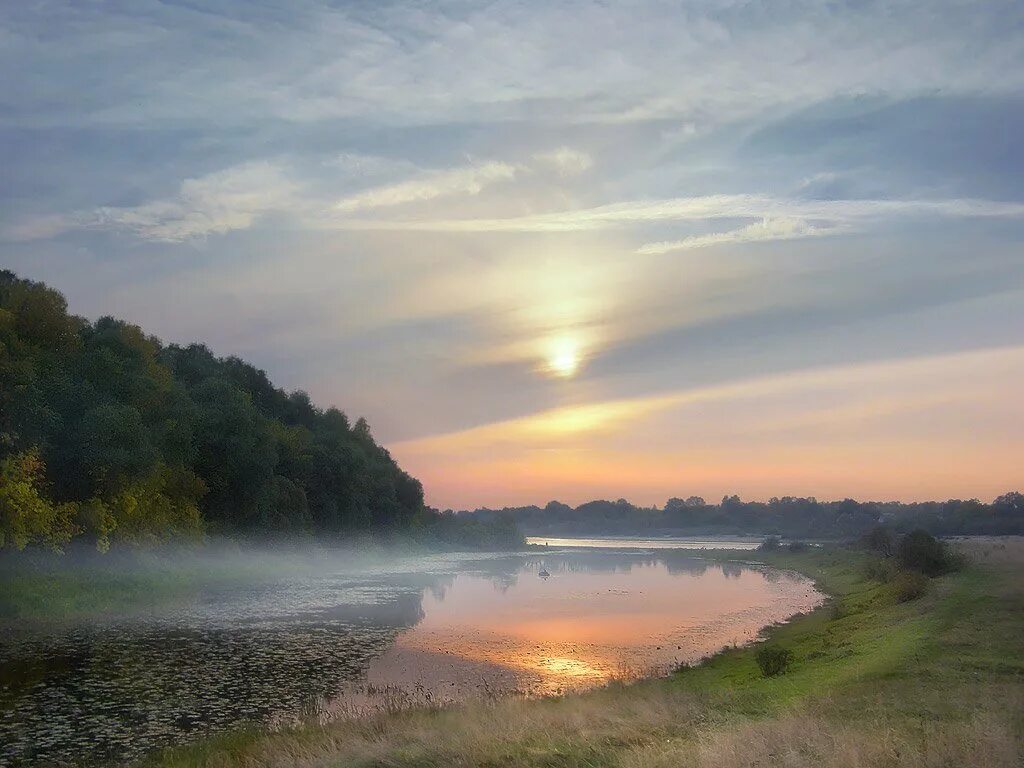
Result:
pixel 432 629
pixel 665 542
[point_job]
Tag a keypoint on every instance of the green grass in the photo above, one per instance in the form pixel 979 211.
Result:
pixel 936 681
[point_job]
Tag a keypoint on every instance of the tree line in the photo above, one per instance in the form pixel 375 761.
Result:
pixel 109 436
pixel 787 516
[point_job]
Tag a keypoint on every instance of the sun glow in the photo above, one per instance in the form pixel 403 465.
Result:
pixel 564 358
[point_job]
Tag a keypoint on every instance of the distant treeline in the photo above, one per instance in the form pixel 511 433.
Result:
pixel 107 435
pixel 788 516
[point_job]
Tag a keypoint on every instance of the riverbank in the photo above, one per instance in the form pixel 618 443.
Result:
pixel 938 680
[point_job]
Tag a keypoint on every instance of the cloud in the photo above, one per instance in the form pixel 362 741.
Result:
pixel 704 208
pixel 569 423
pixel 565 161
pixel 765 230
pixel 359 165
pixel 402 63
pixel 219 202
pixel 468 180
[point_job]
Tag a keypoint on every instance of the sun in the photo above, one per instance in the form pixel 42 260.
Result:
pixel 564 359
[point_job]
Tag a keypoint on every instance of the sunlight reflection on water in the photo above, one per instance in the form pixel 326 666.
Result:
pixel 422 630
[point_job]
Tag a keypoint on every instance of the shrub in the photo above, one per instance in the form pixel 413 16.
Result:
pixel 920 551
pixel 881 540
pixel 773 660
pixel 798 546
pixel 881 570
pixel 910 585
pixel 770 544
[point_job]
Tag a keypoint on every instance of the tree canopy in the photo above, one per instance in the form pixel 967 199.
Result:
pixel 787 516
pixel 109 435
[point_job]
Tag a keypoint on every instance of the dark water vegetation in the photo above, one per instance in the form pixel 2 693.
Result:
pixel 109 437
pixel 269 637
pixel 872 680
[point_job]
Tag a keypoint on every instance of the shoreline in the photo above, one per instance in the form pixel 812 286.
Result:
pixel 847 654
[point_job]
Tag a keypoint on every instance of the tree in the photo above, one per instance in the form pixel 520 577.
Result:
pixel 26 516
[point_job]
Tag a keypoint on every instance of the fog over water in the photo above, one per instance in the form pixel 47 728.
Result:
pixel 337 636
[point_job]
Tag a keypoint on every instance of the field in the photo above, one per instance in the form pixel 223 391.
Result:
pixel 874 681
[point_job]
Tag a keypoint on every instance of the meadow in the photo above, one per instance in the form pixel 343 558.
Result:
pixel 876 678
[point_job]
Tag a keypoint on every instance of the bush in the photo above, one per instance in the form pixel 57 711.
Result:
pixel 910 585
pixel 881 540
pixel 920 551
pixel 770 544
pixel 879 569
pixel 798 546
pixel 773 660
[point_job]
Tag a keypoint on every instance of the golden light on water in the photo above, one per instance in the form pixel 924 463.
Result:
pixel 568 669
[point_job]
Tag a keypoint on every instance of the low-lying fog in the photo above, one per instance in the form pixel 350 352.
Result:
pixel 276 635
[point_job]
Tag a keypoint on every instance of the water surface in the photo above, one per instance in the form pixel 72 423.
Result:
pixel 339 643
pixel 635 542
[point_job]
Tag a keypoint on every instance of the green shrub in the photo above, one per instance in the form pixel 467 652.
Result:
pixel 770 544
pixel 880 539
pixel 798 546
pixel 879 569
pixel 910 585
pixel 773 660
pixel 920 551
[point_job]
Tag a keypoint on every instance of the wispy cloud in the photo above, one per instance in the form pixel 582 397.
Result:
pixel 220 202
pixel 468 180
pixel 400 62
pixel 761 231
pixel 570 423
pixel 703 208
pixel 565 161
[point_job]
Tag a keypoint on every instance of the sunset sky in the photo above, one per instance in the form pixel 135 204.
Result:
pixel 572 250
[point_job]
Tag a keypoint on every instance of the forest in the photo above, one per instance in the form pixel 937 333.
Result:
pixel 787 516
pixel 109 437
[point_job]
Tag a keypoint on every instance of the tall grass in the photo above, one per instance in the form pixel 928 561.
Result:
pixel 937 681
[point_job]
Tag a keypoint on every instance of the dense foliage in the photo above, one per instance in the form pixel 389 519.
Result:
pixel 108 435
pixel 788 516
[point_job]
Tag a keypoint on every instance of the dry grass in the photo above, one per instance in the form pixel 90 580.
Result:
pixel 993 550
pixel 937 681
pixel 811 742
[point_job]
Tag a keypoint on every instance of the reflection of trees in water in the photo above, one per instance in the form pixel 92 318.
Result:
pixel 502 572
pixel 732 570
pixel 503 582
pixel 682 563
pixel 439 590
pixel 114 692
pixel 676 562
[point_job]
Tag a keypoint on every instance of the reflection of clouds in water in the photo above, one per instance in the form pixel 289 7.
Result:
pixel 602 610
pixel 456 626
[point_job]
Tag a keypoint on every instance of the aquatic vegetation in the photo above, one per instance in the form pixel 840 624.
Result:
pixel 934 681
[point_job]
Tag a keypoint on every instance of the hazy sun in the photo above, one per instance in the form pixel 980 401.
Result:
pixel 564 359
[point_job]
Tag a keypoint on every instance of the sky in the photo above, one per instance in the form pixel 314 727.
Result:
pixel 557 250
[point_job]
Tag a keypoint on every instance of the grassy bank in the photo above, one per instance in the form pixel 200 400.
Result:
pixel 936 681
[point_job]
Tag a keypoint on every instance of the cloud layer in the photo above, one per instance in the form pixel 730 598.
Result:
pixel 461 219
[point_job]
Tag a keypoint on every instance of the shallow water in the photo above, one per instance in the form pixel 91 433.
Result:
pixel 432 629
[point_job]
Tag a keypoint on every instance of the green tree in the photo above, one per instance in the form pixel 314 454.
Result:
pixel 26 515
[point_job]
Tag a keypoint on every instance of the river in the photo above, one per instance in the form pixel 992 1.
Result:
pixel 341 642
